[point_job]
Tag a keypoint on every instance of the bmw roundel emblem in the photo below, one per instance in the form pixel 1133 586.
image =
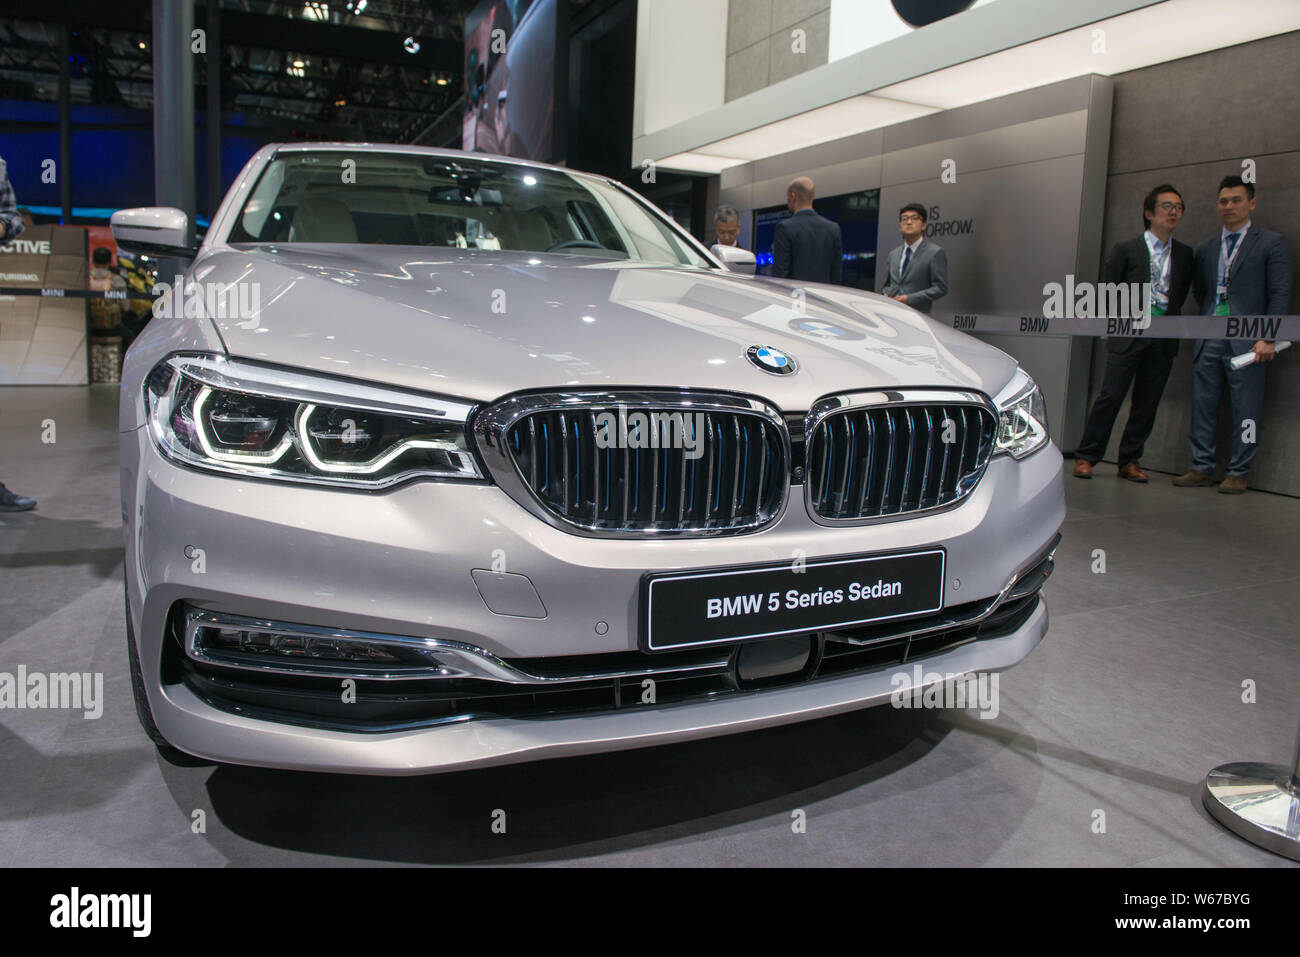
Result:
pixel 771 360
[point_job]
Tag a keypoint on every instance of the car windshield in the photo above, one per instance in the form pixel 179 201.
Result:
pixel 411 199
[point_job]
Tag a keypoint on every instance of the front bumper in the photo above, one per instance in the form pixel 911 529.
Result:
pixel 196 727
pixel 402 562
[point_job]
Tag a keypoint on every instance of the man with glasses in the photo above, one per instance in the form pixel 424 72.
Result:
pixel 1157 258
pixel 918 269
pixel 1243 270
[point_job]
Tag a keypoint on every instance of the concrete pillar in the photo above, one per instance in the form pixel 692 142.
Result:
pixel 214 107
pixel 173 106
pixel 65 123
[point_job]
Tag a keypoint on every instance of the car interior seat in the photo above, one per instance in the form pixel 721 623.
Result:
pixel 322 220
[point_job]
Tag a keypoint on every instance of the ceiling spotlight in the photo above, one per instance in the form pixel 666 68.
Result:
pixel 142 45
pixel 411 45
pixel 442 81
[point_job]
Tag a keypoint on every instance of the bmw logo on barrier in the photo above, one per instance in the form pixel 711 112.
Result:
pixel 771 360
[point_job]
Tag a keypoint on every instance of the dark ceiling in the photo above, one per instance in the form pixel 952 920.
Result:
pixel 386 70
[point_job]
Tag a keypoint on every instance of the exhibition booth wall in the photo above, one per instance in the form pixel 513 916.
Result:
pixel 1023 207
pixel 1190 123
pixel 1050 179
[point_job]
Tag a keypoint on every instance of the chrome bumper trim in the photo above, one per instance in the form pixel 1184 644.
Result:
pixel 448 659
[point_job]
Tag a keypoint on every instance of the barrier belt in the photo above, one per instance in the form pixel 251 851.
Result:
pixel 1253 328
pixel 119 295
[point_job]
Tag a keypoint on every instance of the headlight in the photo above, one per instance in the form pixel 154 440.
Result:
pixel 230 416
pixel 1022 419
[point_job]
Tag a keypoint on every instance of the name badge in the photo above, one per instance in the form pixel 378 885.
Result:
pixel 1157 310
pixel 1221 309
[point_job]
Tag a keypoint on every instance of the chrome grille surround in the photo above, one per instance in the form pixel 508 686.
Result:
pixel 756 499
pixel 916 477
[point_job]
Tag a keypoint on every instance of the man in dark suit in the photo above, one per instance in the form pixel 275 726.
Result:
pixel 807 246
pixel 1157 258
pixel 918 269
pixel 1242 270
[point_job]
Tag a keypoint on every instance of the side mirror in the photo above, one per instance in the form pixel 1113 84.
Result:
pixel 153 231
pixel 736 259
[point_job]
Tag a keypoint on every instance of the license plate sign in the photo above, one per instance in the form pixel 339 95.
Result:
pixel 692 609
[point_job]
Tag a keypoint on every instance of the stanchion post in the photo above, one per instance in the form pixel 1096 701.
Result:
pixel 1258 802
pixel 1295 763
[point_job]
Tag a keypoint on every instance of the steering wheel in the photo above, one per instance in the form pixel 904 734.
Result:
pixel 575 244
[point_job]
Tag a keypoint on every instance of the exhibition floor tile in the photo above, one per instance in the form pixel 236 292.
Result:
pixel 1095 757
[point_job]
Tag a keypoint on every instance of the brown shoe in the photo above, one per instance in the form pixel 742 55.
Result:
pixel 1082 468
pixel 1233 485
pixel 1130 471
pixel 1193 479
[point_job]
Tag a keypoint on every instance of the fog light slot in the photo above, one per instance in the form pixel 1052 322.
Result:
pixel 252 641
pixel 236 642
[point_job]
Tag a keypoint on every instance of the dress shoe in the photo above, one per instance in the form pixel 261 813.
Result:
pixel 1130 471
pixel 1233 485
pixel 1193 479
pixel 12 502
pixel 1082 468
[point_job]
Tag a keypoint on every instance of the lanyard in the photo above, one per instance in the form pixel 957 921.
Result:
pixel 1159 275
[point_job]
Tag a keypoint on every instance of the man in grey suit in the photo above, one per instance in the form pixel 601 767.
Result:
pixel 918 269
pixel 807 246
pixel 1240 271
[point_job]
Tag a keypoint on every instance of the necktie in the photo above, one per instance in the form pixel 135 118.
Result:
pixel 907 258
pixel 1232 242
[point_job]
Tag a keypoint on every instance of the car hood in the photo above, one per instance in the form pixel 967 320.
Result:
pixel 479 325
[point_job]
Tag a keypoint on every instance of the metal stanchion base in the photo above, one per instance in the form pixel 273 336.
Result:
pixel 1257 802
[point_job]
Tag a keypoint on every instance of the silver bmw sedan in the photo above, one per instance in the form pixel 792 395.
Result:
pixel 433 460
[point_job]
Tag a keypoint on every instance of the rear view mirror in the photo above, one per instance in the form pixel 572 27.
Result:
pixel 153 231
pixel 466 194
pixel 736 259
